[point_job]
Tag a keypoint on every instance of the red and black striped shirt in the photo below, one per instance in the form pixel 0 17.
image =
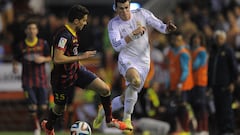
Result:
pixel 33 74
pixel 64 75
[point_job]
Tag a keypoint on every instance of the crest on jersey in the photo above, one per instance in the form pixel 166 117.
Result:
pixel 75 50
pixel 62 42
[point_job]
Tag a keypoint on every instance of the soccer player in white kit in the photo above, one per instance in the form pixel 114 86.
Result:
pixel 129 36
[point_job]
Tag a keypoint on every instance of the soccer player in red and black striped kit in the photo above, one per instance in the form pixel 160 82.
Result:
pixel 33 53
pixel 68 71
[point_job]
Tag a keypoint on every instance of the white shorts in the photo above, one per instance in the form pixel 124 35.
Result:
pixel 142 69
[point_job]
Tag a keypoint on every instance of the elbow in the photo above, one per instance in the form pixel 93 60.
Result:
pixel 117 49
pixel 119 45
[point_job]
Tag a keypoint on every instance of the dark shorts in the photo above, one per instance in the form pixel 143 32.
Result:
pixel 65 96
pixel 179 99
pixel 198 95
pixel 37 96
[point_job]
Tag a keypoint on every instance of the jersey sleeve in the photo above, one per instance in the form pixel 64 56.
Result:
pixel 153 21
pixel 60 41
pixel 116 40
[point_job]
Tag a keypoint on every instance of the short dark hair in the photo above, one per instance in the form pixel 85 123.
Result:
pixel 31 21
pixel 119 1
pixel 200 35
pixel 77 12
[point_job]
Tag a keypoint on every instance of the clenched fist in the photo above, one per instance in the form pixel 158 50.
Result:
pixel 171 27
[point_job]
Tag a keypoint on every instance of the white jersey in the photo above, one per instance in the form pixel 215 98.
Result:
pixel 137 52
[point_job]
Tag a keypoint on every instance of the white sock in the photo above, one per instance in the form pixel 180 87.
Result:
pixel 127 116
pixel 131 96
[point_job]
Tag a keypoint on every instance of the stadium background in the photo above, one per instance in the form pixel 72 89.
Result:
pixel 13 112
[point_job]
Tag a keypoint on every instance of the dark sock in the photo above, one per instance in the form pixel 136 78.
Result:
pixel 70 121
pixel 42 114
pixel 52 117
pixel 106 102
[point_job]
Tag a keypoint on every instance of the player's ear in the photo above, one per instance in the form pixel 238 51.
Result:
pixel 76 21
pixel 114 7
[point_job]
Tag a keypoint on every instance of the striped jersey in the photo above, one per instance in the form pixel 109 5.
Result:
pixel 64 75
pixel 33 74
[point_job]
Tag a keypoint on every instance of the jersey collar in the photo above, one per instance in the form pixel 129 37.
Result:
pixel 31 43
pixel 73 32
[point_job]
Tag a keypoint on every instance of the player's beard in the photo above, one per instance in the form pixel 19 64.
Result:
pixel 78 28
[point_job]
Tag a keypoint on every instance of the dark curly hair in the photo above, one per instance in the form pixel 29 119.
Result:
pixel 77 12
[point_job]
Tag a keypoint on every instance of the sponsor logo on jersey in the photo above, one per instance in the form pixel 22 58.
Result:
pixel 62 42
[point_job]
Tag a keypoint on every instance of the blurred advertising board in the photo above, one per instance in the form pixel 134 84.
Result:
pixel 9 81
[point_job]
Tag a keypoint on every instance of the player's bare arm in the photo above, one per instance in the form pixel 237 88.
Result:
pixel 42 59
pixel 87 54
pixel 60 58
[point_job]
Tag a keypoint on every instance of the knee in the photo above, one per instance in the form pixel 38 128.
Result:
pixel 43 107
pixel 105 91
pixel 136 82
pixel 32 108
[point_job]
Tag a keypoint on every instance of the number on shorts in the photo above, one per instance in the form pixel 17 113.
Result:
pixel 59 96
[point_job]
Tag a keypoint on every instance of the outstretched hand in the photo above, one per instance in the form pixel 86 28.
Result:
pixel 171 27
pixel 89 54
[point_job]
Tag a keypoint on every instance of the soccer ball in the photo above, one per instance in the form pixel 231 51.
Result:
pixel 80 128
